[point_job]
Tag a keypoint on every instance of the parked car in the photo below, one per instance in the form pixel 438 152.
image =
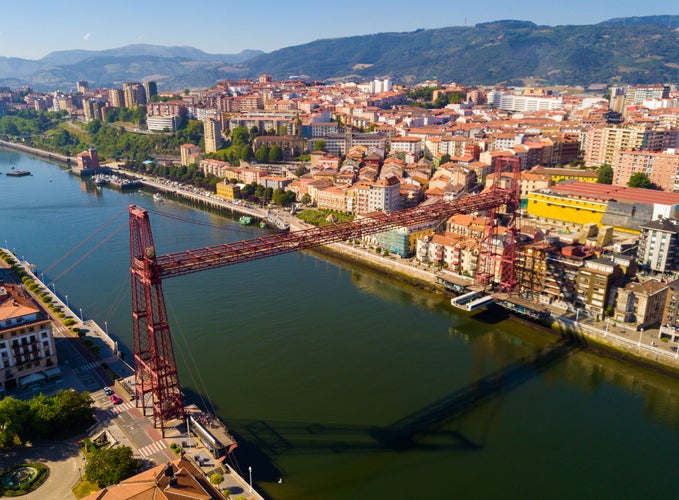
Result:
pixel 108 391
pixel 115 399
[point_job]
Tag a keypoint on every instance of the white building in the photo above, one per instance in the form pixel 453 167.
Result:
pixel 385 195
pixel 512 102
pixel 27 350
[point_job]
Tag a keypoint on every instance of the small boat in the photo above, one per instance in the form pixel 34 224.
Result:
pixel 245 220
pixel 158 197
pixel 100 180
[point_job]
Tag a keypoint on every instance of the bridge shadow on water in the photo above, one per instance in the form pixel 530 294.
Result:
pixel 491 315
pixel 261 441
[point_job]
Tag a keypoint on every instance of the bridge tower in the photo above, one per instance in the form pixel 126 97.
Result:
pixel 155 371
pixel 497 259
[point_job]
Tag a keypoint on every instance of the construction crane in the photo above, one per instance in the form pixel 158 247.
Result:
pixel 157 386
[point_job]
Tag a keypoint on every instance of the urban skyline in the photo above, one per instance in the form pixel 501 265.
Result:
pixel 56 27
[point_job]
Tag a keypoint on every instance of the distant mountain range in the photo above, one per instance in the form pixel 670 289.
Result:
pixel 619 51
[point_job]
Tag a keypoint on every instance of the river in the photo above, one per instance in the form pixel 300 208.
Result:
pixel 345 383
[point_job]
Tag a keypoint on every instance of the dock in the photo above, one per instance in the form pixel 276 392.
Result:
pixel 472 301
pixel 523 308
pixel 211 431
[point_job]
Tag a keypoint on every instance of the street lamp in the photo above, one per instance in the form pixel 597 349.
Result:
pixel 66 300
pixel 54 287
pixel 106 327
pixel 641 332
pixel 250 469
pixel 577 314
pixel 81 314
pixel 606 331
pixel 80 473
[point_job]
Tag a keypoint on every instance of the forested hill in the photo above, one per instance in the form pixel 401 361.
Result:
pixel 619 51
pixel 490 53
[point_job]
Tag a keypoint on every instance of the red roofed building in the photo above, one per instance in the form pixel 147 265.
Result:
pixel 27 349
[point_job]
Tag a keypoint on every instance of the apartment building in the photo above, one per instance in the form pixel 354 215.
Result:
pixel 212 130
pixel 602 144
pixel 385 195
pixel 189 154
pixel 671 309
pixel 511 102
pixel 27 350
pixel 332 198
pixel 134 94
pixel 408 144
pixel 593 284
pixel 340 144
pixel 658 242
pixel 637 94
pixel 116 98
pixel 661 168
pixel 641 303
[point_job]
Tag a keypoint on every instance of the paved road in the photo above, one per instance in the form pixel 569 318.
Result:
pixel 64 461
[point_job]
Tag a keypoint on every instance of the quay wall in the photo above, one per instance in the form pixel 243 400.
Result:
pixel 39 152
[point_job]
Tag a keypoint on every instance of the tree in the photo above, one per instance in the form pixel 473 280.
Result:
pixel 275 154
pixel 93 127
pixel 605 174
pixel 283 198
pixel 639 180
pixel 240 136
pixel 319 145
pixel 441 101
pixel 306 199
pixel 13 416
pixel 262 154
pixel 245 153
pixel 111 465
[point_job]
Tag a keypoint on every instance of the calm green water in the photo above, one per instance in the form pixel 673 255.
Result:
pixel 319 366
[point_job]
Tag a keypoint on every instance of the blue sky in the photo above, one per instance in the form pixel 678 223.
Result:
pixel 33 28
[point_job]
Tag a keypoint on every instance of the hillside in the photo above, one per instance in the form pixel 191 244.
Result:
pixel 173 67
pixel 619 51
pixel 503 51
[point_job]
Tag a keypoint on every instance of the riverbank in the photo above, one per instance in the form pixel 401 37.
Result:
pixel 67 160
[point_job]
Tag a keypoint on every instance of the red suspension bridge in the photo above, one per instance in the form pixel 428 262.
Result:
pixel 156 380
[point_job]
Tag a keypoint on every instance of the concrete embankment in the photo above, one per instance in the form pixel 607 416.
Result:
pixel 67 160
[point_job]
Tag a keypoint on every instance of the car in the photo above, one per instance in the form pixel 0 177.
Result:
pixel 108 391
pixel 115 399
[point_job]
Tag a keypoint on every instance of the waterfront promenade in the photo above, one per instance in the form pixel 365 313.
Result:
pixel 68 160
pixel 123 424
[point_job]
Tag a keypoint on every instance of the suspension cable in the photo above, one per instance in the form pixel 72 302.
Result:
pixel 87 254
pixel 87 238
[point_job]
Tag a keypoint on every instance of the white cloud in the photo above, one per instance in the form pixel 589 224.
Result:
pixel 87 36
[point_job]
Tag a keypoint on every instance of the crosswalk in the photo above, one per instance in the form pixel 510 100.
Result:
pixel 115 409
pixel 150 449
pixel 88 367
